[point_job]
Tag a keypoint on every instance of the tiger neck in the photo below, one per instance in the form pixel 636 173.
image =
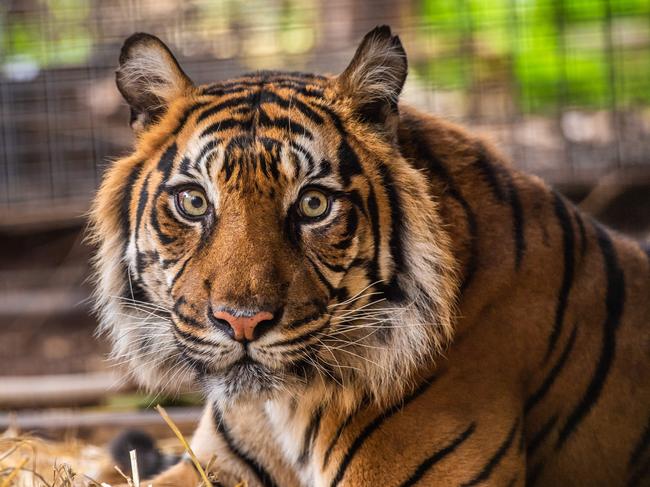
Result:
pixel 483 203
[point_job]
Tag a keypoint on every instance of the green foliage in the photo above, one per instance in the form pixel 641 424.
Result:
pixel 23 38
pixel 550 53
pixel 586 53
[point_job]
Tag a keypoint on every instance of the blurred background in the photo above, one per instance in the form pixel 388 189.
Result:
pixel 562 86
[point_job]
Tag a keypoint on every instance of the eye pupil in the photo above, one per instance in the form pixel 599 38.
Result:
pixel 196 201
pixel 314 203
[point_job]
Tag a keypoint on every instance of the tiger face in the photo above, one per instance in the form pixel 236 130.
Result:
pixel 266 235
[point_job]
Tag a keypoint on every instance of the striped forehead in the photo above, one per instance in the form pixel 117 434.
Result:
pixel 244 157
pixel 259 129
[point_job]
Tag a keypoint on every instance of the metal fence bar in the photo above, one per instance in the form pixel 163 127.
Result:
pixel 61 119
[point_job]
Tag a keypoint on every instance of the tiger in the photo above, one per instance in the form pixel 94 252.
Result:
pixel 364 294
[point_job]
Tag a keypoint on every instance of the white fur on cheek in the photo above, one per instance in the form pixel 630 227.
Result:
pixel 142 339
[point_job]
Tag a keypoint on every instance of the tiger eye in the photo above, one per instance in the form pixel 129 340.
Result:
pixel 314 203
pixel 192 202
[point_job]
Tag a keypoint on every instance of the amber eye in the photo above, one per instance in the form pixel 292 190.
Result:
pixel 192 202
pixel 314 203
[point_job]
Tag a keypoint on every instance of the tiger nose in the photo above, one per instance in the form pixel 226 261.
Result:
pixel 243 326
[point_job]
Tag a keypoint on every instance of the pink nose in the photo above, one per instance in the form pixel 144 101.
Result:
pixel 243 327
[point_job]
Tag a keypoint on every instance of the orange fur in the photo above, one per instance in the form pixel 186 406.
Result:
pixel 451 321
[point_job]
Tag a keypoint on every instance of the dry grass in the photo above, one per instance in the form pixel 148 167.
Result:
pixel 29 461
pixel 26 461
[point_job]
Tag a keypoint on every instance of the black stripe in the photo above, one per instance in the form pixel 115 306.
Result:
pixel 188 320
pixel 522 440
pixel 355 198
pixel 641 446
pixel 490 174
pixel 188 113
pixel 167 263
pixel 127 194
pixel 303 150
pixel 495 175
pixel 349 164
pixel 538 438
pixel 440 171
pixel 373 426
pixel 349 234
pixel 207 148
pixel 311 433
pixel 373 212
pixel 224 124
pixel 166 163
pixel 539 394
pixel 164 238
pixel 253 464
pixel 337 268
pixel 180 272
pixel 397 224
pixel 337 436
pixel 183 317
pixel 232 102
pixel 306 110
pixel 142 203
pixel 486 471
pixel 532 474
pixel 306 320
pixel 614 302
pixel 301 338
pixel 320 276
pixel 197 365
pixel 564 220
pixel 133 290
pixel 284 123
pixel 422 469
pixel 517 221
pixel 191 338
pixel 184 165
pixel 171 217
pixel 324 169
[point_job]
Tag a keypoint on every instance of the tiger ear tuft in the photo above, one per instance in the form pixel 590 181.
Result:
pixel 149 78
pixel 375 77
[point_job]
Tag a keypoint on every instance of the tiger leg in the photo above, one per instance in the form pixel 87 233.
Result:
pixel 432 437
pixel 236 447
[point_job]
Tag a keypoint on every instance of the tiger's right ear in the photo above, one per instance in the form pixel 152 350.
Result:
pixel 149 78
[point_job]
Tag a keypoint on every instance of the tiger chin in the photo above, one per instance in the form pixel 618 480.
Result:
pixel 364 294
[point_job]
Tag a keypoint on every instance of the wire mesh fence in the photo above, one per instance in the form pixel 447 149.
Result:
pixel 563 86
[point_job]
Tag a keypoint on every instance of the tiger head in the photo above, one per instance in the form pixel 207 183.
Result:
pixel 266 234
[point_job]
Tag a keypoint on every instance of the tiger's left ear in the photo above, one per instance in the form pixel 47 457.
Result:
pixel 375 77
pixel 149 78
